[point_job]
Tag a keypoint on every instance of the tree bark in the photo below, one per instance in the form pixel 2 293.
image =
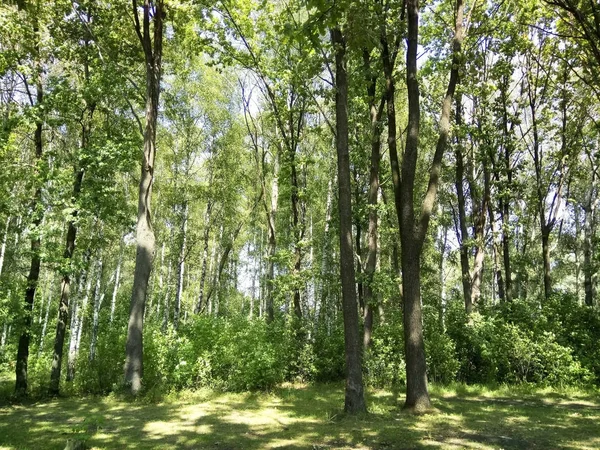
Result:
pixel 76 330
pixel 375 112
pixel 98 299
pixel 504 200
pixel 355 401
pixel 152 47
pixel 113 302
pixel 3 247
pixel 588 243
pixel 181 266
pixel 205 240
pixel 413 232
pixel 496 240
pixel 272 244
pixel 63 308
pixel 465 270
pixel 34 267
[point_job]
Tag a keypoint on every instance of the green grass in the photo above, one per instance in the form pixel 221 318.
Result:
pixel 310 417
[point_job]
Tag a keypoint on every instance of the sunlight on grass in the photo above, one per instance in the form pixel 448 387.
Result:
pixel 309 417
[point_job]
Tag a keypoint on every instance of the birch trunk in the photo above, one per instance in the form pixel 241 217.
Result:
pixel 3 248
pixel 77 327
pixel 181 267
pixel 205 240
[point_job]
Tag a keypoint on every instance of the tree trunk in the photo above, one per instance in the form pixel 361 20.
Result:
pixel 546 259
pixel 272 247
pixel 504 201
pixel 588 247
pixel 324 294
pixel 371 263
pixel 205 240
pixel 113 302
pixel 546 224
pixel 45 320
pixel 463 234
pixel 167 301
pixel 3 247
pixel 181 266
pixel 4 337
pixel 76 329
pixel 63 308
pixel 298 231
pixel 34 267
pixel 152 47
pixel 413 232
pixel 495 235
pixel 355 401
pixel 98 299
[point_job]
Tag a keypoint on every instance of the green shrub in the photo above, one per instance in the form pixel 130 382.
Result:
pixel 384 363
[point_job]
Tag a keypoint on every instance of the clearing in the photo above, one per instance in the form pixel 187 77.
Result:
pixel 309 417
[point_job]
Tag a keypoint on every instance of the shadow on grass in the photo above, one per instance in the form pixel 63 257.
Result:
pixel 299 418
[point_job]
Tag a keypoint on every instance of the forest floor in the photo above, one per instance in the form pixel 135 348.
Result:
pixel 310 417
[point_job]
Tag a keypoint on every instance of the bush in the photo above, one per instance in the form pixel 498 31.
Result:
pixel 508 346
pixel 329 360
pixel 384 363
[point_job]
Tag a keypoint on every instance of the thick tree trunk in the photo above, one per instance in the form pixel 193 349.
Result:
pixel 355 401
pixel 413 232
pixel 152 47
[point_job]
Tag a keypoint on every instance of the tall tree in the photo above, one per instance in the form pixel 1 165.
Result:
pixel 79 170
pixel 413 231
pixel 355 400
pixel 36 99
pixel 151 41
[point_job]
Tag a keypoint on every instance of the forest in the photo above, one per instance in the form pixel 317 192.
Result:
pixel 389 195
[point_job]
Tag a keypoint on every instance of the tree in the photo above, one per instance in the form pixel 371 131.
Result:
pixel 36 101
pixel 413 231
pixel 152 45
pixel 355 401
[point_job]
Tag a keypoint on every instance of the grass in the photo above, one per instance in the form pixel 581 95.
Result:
pixel 310 417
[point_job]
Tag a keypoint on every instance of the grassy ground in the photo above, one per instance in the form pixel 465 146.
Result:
pixel 309 417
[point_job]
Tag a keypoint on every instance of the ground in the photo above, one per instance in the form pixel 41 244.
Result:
pixel 310 417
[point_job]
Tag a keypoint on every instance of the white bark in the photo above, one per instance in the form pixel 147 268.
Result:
pixel 3 248
pixel 76 328
pixel 113 303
